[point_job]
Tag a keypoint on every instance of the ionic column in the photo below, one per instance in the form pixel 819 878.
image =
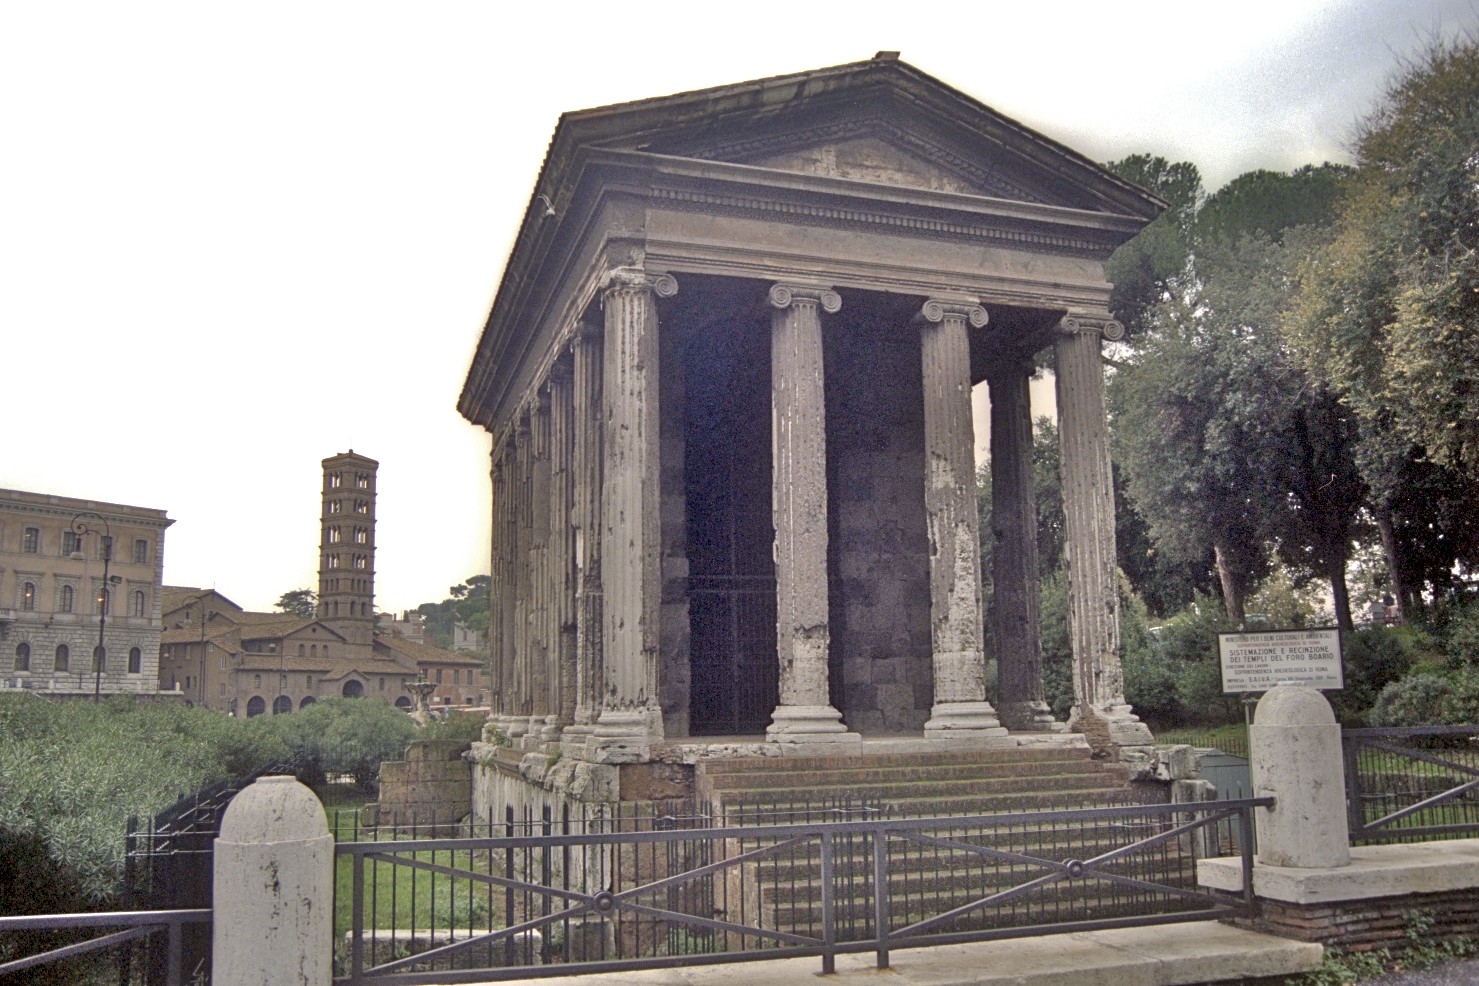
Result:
pixel 950 508
pixel 631 718
pixel 799 511
pixel 1099 707
pixel 1015 628
pixel 561 553
pixel 589 417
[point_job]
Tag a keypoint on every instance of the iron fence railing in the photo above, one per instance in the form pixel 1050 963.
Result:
pixel 591 894
pixel 1412 784
pixel 131 927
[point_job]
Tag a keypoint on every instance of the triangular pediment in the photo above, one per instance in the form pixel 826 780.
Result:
pixel 881 122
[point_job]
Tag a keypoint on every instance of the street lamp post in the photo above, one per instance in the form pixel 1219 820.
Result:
pixel 81 527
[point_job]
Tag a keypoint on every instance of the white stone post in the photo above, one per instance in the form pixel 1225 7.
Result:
pixel 959 656
pixel 274 889
pixel 1296 759
pixel 799 512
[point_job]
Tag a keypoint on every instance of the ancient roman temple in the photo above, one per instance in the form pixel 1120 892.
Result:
pixel 727 375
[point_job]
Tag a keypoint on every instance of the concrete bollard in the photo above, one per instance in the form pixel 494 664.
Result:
pixel 274 889
pixel 1296 757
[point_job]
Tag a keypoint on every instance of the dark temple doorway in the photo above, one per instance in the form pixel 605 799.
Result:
pixel 731 572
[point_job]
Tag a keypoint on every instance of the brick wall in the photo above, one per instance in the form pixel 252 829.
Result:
pixel 1381 922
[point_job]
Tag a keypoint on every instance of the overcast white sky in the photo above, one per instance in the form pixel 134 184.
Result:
pixel 217 219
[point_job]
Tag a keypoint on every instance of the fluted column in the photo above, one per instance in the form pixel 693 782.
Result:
pixel 1014 621
pixel 799 512
pixel 1099 709
pixel 589 418
pixel 540 649
pixel 950 508
pixel 631 718
pixel 561 552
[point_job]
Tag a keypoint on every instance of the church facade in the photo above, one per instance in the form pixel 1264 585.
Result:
pixel 727 379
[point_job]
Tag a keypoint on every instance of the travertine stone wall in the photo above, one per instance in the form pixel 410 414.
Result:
pixel 432 786
pixel 881 592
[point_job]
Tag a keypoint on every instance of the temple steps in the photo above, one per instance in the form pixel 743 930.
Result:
pixel 915 785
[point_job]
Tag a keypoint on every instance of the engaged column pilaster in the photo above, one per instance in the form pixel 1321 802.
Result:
pixel 960 704
pixel 805 714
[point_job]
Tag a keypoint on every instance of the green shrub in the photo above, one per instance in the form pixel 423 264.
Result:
pixel 1373 660
pixel 457 726
pixel 1460 637
pixel 1417 700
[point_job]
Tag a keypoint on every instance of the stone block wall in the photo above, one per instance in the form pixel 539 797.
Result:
pixel 882 676
pixel 432 786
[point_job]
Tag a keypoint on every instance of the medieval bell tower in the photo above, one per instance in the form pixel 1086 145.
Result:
pixel 346 548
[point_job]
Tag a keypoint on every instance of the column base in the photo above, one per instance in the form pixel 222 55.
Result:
pixel 1111 726
pixel 625 736
pixel 809 724
pixel 954 719
pixel 1029 717
pixel 575 739
pixel 514 727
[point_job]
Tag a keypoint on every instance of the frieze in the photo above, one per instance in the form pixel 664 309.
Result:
pixel 816 215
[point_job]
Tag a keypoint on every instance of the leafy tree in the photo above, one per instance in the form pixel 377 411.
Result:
pixel 1224 441
pixel 1143 269
pixel 298 602
pixel 467 604
pixel 1386 313
pixel 348 736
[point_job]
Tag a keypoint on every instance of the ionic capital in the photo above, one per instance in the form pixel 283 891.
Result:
pixel 1101 325
pixel 560 374
pixel 936 311
pixel 783 296
pixel 639 279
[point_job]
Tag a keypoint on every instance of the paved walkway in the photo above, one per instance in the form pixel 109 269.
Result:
pixel 1166 955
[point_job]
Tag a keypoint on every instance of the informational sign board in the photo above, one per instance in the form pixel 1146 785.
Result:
pixel 1256 662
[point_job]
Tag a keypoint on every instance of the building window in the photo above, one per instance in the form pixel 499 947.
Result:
pixel 334 535
pixel 28 596
pixel 362 480
pixel 135 660
pixel 281 705
pixel 99 659
pixel 334 480
pixel 31 540
pixel 313 651
pixel 105 547
pixel 352 689
pixel 456 676
pixel 361 536
pixel 256 681
pixel 333 561
pixel 141 551
pixel 256 705
pixel 335 506
pixel 137 606
pixel 308 681
pixel 359 561
pixel 63 658
pixel 71 544
pixel 326 650
pixel 23 656
pixel 68 600
pixel 361 506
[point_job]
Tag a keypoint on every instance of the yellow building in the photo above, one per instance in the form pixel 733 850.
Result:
pixel 79 595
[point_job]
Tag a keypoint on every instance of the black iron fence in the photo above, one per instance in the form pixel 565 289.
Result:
pixel 129 928
pixel 1412 784
pixel 656 887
